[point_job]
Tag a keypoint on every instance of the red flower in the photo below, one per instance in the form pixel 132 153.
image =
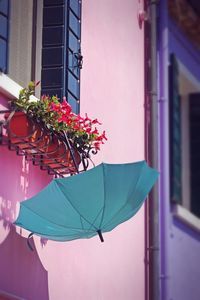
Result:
pixel 44 98
pixel 88 130
pixel 97 145
pixel 95 131
pixel 55 107
pixel 87 119
pixel 59 117
pixel 95 121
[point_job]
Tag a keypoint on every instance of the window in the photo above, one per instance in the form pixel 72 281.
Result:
pixel 61 52
pixel 20 41
pixel 175 132
pixel 184 102
pixel 44 44
pixel 4 12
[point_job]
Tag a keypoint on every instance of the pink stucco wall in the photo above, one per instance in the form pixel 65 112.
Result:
pixel 112 89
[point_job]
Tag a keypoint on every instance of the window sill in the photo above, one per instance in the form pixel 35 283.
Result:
pixel 186 216
pixel 10 88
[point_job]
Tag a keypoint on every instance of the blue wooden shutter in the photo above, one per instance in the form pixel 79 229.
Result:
pixel 4 21
pixel 194 130
pixel 61 52
pixel 175 132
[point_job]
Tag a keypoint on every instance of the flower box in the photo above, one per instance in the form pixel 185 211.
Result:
pixel 50 135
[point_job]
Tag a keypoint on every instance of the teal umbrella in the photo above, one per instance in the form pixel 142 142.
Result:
pixel 89 203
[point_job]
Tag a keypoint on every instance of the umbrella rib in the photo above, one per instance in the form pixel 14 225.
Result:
pixel 48 236
pixel 81 222
pixel 95 219
pixel 74 206
pixel 104 196
pixel 126 201
pixel 59 225
pixel 71 238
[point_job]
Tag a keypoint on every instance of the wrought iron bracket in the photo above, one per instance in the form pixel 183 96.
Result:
pixel 51 151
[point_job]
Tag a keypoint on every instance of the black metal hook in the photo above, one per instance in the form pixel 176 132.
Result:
pixel 79 59
pixel 28 242
pixel 1 132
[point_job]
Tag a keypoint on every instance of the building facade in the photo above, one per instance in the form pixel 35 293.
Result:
pixel 110 88
pixel 178 95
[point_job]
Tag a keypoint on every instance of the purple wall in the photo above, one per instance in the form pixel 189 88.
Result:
pixel 180 244
pixel 184 262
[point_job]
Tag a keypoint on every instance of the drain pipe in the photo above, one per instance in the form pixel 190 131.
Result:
pixel 164 151
pixel 152 209
pixel 154 201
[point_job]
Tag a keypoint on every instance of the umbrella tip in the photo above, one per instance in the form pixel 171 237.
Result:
pixel 100 235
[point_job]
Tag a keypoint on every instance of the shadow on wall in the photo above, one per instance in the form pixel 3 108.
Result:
pixel 19 180
pixel 22 273
pixel 13 184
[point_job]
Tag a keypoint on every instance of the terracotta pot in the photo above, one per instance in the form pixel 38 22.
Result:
pixel 19 126
pixel 31 139
pixel 21 129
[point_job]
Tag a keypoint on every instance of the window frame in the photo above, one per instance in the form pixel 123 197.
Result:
pixel 182 211
pixel 4 37
pixel 58 77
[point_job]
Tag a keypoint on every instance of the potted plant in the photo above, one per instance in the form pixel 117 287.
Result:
pixel 53 117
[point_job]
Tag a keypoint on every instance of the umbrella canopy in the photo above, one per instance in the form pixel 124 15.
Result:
pixel 89 203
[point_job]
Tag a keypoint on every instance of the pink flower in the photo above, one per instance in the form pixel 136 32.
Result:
pixel 64 99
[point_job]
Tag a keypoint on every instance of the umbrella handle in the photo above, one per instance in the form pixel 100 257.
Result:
pixel 28 242
pixel 100 235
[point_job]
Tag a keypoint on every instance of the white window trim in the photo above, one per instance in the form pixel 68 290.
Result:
pixel 10 88
pixel 182 212
pixel 186 216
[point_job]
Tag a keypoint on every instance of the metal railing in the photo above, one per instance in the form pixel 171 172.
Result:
pixel 50 150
